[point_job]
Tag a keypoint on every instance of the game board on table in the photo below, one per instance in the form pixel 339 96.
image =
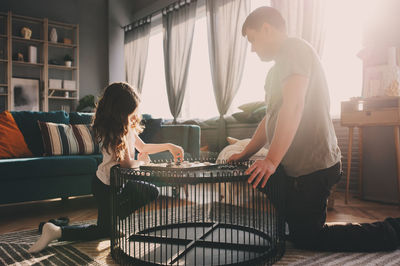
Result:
pixel 185 165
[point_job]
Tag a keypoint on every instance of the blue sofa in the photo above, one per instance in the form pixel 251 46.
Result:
pixel 45 177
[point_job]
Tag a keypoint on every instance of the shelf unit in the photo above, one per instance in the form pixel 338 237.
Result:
pixel 48 64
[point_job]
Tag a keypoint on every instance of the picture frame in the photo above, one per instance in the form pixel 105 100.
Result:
pixel 24 94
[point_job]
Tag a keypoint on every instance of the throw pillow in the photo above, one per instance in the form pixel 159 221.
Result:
pixel 204 148
pixel 61 139
pixel 214 121
pixel 244 117
pixel 238 147
pixel 27 123
pixel 250 107
pixel 12 142
pixel 259 113
pixel 231 140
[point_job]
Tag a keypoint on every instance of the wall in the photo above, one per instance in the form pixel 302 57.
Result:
pixel 121 13
pixel 101 36
pixel 118 16
pixel 91 15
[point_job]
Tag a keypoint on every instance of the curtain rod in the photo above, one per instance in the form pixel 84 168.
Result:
pixel 147 18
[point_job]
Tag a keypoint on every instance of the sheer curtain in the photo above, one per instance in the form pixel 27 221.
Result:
pixel 136 51
pixel 154 96
pixel 251 88
pixel 199 99
pixel 227 53
pixel 305 19
pixel 342 66
pixel 343 41
pixel 178 24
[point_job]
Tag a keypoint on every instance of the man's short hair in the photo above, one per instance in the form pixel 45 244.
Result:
pixel 261 15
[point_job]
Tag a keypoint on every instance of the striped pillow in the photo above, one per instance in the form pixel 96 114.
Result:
pixel 62 139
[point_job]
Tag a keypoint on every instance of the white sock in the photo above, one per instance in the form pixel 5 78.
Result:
pixel 50 232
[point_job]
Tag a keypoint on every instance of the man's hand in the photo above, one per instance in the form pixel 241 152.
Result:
pixel 261 170
pixel 177 152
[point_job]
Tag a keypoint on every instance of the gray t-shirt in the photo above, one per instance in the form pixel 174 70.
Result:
pixel 314 146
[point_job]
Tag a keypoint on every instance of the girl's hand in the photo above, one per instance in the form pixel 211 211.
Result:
pixel 177 152
pixel 144 156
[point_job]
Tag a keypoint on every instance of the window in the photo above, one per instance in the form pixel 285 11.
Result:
pixel 342 66
pixel 252 86
pixel 199 99
pixel 154 94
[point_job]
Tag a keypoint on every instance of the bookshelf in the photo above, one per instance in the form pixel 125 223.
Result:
pixel 38 57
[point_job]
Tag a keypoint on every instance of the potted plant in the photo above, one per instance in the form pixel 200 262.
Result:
pixel 68 60
pixel 86 104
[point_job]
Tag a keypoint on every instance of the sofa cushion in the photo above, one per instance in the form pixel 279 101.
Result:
pixel 61 139
pixel 80 118
pixel 42 167
pixel 250 107
pixel 27 123
pixel 97 157
pixel 151 127
pixel 12 143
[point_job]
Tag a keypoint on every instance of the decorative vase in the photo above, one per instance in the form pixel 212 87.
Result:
pixel 20 57
pixel 68 63
pixel 26 33
pixel 53 35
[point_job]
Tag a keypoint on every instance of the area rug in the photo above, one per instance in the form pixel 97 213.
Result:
pixel 14 246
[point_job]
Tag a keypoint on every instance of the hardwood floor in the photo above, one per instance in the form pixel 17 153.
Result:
pixel 360 211
pixel 25 216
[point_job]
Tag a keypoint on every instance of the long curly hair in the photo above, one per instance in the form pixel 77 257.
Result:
pixel 110 124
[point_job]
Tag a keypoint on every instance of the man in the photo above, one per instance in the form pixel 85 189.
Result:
pixel 303 154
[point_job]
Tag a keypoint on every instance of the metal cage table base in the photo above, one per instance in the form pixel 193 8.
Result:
pixel 214 244
pixel 218 220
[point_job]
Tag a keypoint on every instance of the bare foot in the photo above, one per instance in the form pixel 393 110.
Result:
pixel 50 232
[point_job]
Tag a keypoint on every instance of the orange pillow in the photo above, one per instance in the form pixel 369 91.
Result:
pixel 12 143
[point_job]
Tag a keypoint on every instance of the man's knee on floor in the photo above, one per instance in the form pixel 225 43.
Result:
pixel 304 237
pixel 302 242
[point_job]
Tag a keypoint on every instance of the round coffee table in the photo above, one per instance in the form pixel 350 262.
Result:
pixel 205 215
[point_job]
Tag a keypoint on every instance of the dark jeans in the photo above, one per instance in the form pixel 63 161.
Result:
pixel 133 196
pixel 88 232
pixel 303 205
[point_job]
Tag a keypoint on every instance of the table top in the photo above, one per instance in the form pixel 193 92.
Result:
pixel 213 173
pixel 376 111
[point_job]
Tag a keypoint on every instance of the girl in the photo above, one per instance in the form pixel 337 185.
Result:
pixel 116 126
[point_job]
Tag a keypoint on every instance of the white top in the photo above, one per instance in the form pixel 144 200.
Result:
pixel 109 159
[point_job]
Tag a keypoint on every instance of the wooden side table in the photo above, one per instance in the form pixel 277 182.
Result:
pixel 378 111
